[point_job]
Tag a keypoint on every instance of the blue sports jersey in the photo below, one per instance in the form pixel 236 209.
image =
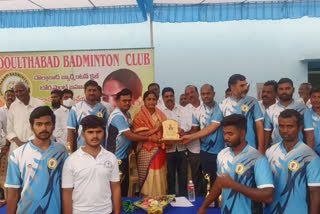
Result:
pixel 312 123
pixel 81 110
pixel 292 173
pixel 38 174
pixel 248 168
pixel 250 108
pixel 117 143
pixel 214 142
pixel 271 116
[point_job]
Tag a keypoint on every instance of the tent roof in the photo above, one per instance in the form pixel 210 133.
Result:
pixel 18 5
pixel 48 13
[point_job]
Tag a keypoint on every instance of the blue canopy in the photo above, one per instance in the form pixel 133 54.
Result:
pixel 138 12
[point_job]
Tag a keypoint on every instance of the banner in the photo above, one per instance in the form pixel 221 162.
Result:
pixel 46 71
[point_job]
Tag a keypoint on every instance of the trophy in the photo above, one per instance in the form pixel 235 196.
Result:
pixel 120 173
pixel 69 148
pixel 170 130
pixel 207 177
pixel 216 203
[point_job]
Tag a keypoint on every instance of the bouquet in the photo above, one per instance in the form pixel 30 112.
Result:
pixel 156 204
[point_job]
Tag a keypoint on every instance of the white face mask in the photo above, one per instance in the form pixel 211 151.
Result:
pixel 68 103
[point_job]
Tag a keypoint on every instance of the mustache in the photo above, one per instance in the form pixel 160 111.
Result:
pixel 44 133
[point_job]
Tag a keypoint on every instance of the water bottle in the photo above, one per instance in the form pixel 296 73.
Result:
pixel 191 192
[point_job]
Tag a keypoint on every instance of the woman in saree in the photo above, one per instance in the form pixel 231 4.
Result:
pixel 151 157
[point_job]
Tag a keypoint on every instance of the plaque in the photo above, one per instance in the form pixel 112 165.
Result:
pixel 170 130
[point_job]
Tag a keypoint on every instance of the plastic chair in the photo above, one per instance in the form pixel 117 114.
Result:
pixel 133 175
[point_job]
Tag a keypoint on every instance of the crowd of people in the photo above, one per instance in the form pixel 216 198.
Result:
pixel 74 157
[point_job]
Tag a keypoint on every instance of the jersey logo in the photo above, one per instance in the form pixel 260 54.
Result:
pixel 108 164
pixel 99 114
pixel 244 108
pixel 52 163
pixel 240 169
pixel 293 165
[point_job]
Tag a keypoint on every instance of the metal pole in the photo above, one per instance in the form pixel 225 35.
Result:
pixel 151 31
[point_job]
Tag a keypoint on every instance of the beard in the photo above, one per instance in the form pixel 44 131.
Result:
pixel 285 97
pixel 229 144
pixel 55 105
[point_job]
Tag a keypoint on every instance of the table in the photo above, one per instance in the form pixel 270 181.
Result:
pixel 3 210
pixel 174 210
pixel 169 209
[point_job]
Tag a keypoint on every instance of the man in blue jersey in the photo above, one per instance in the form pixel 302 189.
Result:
pixel 89 106
pixel 240 103
pixel 296 169
pixel 285 92
pixel 120 135
pixel 312 121
pixel 244 175
pixel 268 95
pixel 35 168
pixel 207 120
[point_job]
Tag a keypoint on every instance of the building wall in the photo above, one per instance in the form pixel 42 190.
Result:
pixel 193 53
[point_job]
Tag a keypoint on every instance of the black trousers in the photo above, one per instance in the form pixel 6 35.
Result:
pixel 196 173
pixel 124 168
pixel 177 162
pixel 209 165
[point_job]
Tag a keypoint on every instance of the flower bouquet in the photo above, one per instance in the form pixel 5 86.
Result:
pixel 156 204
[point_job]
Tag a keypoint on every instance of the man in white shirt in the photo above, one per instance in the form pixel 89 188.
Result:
pixel 60 132
pixel 183 100
pixel 156 88
pixel 194 146
pixel 176 155
pixel 56 96
pixel 18 130
pixel 90 176
pixel 3 130
pixel 304 93
pixel 269 95
pixel 108 106
pixel 9 98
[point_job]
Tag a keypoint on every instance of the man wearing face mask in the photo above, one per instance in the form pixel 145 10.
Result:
pixel 60 132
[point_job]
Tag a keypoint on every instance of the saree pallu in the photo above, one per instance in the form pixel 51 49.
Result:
pixel 152 171
pixel 151 157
